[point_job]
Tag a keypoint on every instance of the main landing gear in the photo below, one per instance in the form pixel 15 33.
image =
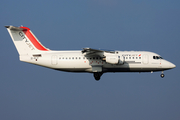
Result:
pixel 162 75
pixel 97 75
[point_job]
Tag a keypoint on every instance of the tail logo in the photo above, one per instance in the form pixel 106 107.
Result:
pixel 23 37
pixel 26 41
pixel 32 39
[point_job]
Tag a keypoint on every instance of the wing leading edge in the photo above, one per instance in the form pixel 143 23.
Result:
pixel 91 51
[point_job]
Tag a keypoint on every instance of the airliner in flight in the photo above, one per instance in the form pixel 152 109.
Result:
pixel 90 60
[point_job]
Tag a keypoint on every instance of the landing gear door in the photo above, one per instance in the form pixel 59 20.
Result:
pixel 96 68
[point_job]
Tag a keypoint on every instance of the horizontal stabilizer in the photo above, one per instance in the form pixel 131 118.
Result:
pixel 14 28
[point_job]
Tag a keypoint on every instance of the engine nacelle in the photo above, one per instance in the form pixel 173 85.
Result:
pixel 114 59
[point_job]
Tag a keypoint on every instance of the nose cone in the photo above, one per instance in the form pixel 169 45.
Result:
pixel 171 65
pixel 167 65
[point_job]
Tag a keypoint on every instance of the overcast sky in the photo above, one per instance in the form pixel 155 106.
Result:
pixel 29 92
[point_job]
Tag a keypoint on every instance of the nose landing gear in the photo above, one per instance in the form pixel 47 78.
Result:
pixel 162 75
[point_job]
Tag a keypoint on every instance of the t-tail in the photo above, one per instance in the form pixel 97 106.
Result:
pixel 25 41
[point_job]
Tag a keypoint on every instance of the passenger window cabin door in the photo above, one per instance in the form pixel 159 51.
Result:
pixel 145 59
pixel 54 60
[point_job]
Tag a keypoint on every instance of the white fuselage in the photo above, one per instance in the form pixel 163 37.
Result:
pixel 76 61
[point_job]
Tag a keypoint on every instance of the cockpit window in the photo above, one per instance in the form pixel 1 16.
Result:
pixel 157 57
pixel 160 57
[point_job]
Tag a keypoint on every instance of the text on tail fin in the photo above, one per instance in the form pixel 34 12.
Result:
pixel 33 39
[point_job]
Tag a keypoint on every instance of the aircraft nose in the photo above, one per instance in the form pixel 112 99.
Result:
pixel 171 65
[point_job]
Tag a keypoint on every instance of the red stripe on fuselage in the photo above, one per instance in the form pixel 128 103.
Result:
pixel 34 41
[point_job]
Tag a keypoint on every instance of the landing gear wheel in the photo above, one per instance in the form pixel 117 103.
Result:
pixel 162 75
pixel 97 75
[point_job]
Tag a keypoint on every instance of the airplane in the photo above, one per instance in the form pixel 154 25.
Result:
pixel 89 60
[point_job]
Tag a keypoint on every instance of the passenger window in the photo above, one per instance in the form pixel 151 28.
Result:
pixel 69 57
pixel 126 57
pixel 139 57
pixel 129 57
pixel 133 58
pixel 79 57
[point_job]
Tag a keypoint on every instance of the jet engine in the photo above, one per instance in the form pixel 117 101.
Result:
pixel 114 59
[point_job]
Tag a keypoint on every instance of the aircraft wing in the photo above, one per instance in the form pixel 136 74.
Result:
pixel 96 52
